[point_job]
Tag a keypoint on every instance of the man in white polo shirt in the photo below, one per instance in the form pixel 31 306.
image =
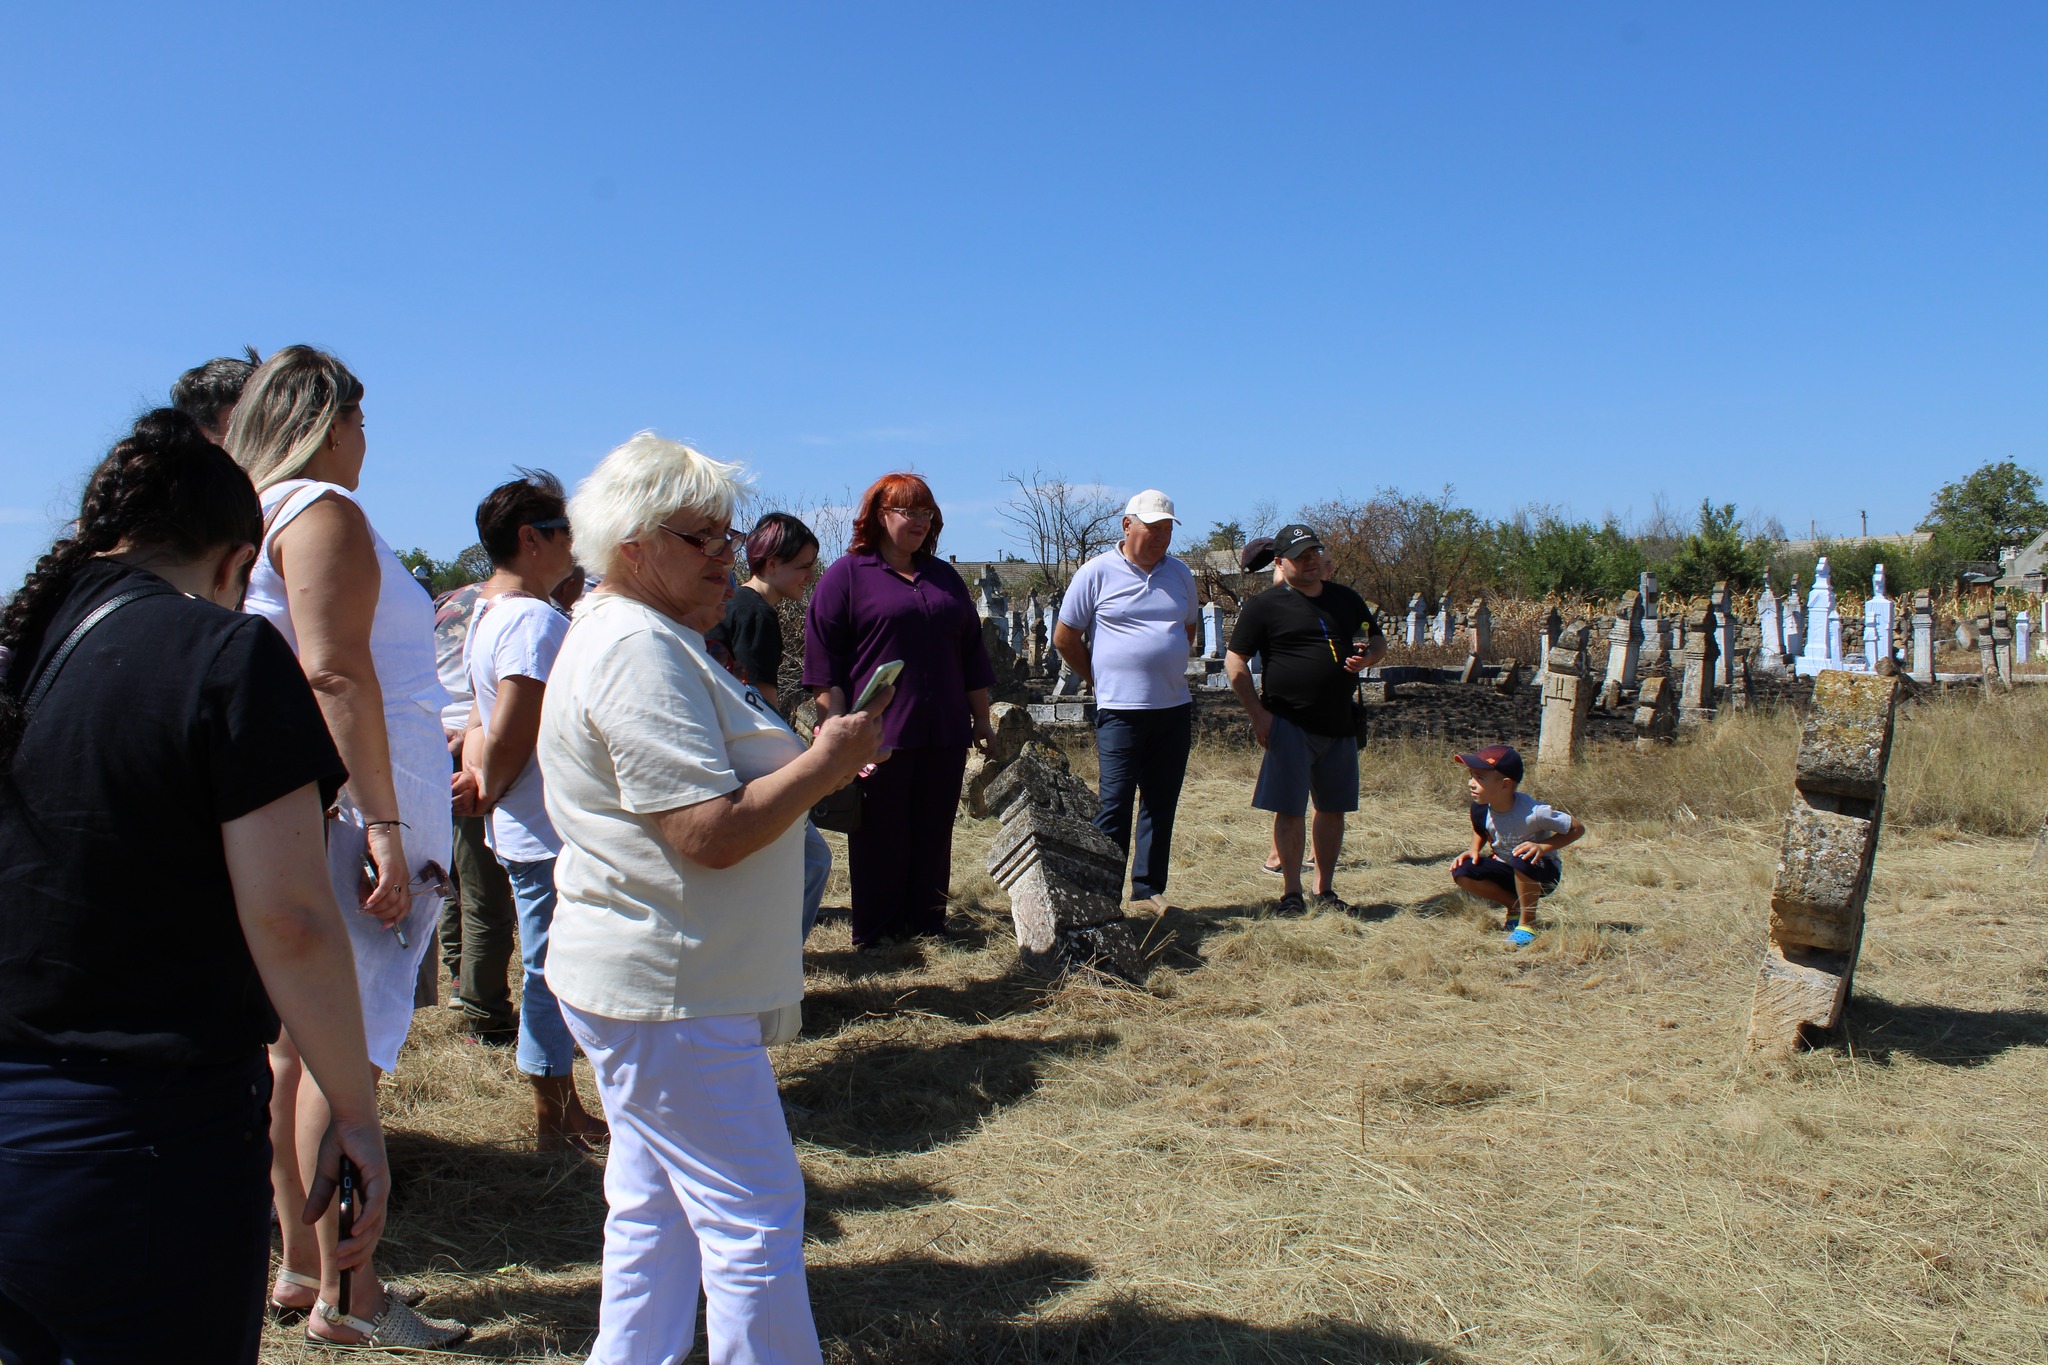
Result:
pixel 1127 625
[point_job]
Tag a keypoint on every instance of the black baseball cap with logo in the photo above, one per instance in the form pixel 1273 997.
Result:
pixel 1495 758
pixel 1290 542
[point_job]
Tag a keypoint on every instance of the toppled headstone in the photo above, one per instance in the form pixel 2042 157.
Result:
pixel 1824 861
pixel 1470 672
pixel 1064 877
pixel 1567 696
pixel 1510 678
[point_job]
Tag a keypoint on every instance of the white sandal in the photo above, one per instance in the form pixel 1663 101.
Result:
pixel 411 1295
pixel 397 1327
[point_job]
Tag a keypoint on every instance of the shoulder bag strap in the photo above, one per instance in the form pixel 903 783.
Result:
pixel 78 633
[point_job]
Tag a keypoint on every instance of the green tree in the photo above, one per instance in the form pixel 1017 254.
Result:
pixel 1716 551
pixel 1997 506
pixel 1225 535
pixel 471 566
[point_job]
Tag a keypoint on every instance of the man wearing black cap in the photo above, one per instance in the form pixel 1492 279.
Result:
pixel 1316 637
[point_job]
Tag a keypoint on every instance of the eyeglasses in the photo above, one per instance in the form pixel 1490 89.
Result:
pixel 913 513
pixel 551 524
pixel 705 541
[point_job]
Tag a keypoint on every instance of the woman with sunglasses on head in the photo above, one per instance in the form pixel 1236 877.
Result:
pixel 676 951
pixel 364 634
pixel 163 901
pixel 891 597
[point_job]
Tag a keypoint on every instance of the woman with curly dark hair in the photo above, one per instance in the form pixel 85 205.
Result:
pixel 164 899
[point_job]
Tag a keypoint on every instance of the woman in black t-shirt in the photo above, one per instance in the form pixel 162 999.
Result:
pixel 163 774
pixel 782 559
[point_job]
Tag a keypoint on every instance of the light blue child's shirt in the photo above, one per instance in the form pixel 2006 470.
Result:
pixel 1526 819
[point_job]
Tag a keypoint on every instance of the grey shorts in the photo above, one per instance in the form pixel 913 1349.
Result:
pixel 1299 765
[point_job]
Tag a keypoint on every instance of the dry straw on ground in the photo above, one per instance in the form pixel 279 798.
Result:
pixel 1383 1138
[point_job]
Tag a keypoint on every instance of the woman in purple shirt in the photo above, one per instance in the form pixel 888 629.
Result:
pixel 892 597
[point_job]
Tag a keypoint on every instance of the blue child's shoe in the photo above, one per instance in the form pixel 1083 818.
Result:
pixel 1521 936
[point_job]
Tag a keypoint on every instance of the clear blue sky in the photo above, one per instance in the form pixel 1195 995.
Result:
pixel 1789 256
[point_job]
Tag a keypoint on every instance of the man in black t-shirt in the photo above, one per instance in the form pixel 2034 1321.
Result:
pixel 1316 637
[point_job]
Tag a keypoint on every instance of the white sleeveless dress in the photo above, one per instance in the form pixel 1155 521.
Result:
pixel 402 648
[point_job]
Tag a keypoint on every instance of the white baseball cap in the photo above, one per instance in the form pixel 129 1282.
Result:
pixel 1151 506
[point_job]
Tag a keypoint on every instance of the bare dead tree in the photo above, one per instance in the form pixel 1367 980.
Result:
pixel 1060 525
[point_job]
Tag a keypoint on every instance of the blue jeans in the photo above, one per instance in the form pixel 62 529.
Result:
pixel 154 1175
pixel 817 871
pixel 545 1048
pixel 1143 756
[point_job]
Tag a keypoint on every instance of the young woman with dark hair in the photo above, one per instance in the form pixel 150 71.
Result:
pixel 891 597
pixel 164 900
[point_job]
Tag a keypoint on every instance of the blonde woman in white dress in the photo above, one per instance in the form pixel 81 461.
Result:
pixel 364 633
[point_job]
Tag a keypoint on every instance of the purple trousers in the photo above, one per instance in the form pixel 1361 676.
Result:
pixel 902 858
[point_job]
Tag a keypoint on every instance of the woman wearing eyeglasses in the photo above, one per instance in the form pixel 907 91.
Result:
pixel 676 951
pixel 364 634
pixel 891 597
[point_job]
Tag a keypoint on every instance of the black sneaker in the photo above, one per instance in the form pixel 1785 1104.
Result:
pixel 1330 903
pixel 1291 906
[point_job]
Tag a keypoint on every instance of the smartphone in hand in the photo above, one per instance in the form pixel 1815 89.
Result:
pixel 885 676
pixel 349 1200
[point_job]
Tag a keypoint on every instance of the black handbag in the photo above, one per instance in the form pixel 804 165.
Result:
pixel 841 811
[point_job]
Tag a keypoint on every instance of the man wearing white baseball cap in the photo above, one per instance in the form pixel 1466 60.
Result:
pixel 1126 626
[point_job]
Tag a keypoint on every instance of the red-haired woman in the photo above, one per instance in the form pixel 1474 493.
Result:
pixel 891 597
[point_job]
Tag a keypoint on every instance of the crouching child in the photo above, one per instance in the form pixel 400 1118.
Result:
pixel 1524 835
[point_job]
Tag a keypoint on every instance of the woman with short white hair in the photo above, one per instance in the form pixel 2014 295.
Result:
pixel 677 945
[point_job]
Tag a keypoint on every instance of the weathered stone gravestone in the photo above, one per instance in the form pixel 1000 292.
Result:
pixel 1923 636
pixel 989 600
pixel 1440 624
pixel 1656 717
pixel 1722 603
pixel 1567 697
pixel 1696 690
pixel 2022 636
pixel 1479 631
pixel 1770 626
pixel 1653 630
pixel 1411 634
pixel 1824 861
pixel 2001 644
pixel 1212 631
pixel 1795 624
pixel 1624 649
pixel 1064 877
pixel 1020 636
pixel 1549 628
pixel 1014 731
pixel 1034 653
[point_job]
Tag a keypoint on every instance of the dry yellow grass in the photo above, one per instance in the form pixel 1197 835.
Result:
pixel 1383 1138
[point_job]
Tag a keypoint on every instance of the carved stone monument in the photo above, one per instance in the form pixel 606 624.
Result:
pixel 1411 632
pixel 1479 631
pixel 1923 636
pixel 1795 624
pixel 1722 602
pixel 1624 649
pixel 2022 636
pixel 1696 689
pixel 1879 640
pixel 1771 650
pixel 1823 625
pixel 1567 696
pixel 2001 644
pixel 1064 877
pixel 1440 624
pixel 1824 861
pixel 1656 717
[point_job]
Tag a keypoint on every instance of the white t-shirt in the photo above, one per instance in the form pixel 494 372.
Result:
pixel 515 637
pixel 639 720
pixel 1137 628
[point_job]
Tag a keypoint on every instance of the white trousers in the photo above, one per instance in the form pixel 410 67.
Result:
pixel 703 1186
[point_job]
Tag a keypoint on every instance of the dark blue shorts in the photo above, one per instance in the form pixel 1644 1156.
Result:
pixel 1545 872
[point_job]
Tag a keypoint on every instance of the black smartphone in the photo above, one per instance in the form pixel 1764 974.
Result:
pixel 350 1193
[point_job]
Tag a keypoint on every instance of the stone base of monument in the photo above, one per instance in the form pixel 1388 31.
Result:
pixel 1064 877
pixel 1824 862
